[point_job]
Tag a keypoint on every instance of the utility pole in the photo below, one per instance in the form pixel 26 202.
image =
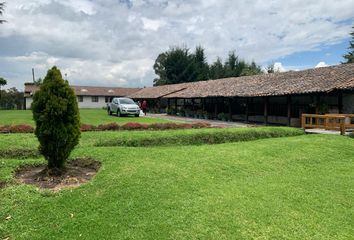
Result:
pixel 33 74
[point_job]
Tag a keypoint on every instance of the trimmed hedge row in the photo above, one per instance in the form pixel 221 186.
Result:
pixel 19 128
pixel 139 126
pixel 25 128
pixel 208 137
pixel 19 153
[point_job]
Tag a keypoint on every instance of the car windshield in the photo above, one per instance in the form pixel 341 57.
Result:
pixel 126 101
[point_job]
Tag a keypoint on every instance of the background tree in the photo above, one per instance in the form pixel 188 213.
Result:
pixel 270 68
pixel 178 65
pixel 201 65
pixel 38 82
pixel 3 82
pixel 2 7
pixel 251 69
pixel 11 99
pixel 231 66
pixel 175 66
pixel 217 69
pixel 349 57
pixel 56 114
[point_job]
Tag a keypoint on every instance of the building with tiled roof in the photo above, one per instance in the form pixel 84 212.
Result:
pixel 87 96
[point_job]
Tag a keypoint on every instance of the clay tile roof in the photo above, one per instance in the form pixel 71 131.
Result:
pixel 30 89
pixel 323 79
pixel 159 91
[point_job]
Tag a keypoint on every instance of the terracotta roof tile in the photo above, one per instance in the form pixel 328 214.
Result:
pixel 30 89
pixel 323 79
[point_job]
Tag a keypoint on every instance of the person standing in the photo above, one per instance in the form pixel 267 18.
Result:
pixel 144 106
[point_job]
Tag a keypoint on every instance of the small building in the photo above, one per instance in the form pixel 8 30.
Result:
pixel 87 96
pixel 276 98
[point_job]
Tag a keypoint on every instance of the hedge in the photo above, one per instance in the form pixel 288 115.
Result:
pixel 216 136
pixel 24 128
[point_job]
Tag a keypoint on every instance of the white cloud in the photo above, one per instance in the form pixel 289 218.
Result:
pixel 278 67
pixel 112 42
pixel 321 64
pixel 150 24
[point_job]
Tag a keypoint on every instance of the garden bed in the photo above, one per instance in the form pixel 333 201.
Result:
pixel 77 171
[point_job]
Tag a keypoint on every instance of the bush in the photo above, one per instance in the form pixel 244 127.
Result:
pixel 108 127
pixel 205 137
pixel 87 127
pixel 56 114
pixel 351 135
pixel 134 126
pixel 201 125
pixel 21 128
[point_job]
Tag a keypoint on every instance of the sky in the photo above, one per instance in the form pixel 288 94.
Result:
pixel 115 42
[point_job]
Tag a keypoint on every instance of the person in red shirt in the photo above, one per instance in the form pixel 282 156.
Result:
pixel 144 106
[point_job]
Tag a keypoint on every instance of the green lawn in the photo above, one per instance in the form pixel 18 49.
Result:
pixel 88 116
pixel 280 188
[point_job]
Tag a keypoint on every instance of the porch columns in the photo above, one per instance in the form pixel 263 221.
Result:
pixel 265 100
pixel 176 105
pixel 288 103
pixel 168 104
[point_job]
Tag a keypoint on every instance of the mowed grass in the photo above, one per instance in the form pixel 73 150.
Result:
pixel 281 188
pixel 88 116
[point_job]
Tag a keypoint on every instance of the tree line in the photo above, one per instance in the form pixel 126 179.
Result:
pixel 179 64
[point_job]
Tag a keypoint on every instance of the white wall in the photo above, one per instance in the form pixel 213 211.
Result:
pixel 29 101
pixel 87 102
pixel 348 103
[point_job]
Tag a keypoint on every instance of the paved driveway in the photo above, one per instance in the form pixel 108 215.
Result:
pixel 216 123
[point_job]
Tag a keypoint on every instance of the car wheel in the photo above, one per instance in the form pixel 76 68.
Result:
pixel 109 111
pixel 118 113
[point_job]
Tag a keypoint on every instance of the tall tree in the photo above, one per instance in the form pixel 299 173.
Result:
pixel 160 71
pixel 349 57
pixel 11 99
pixel 217 69
pixel 231 65
pixel 201 65
pixel 56 114
pixel 2 7
pixel 3 82
pixel 175 66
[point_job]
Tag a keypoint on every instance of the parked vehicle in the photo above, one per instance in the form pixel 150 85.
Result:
pixel 123 106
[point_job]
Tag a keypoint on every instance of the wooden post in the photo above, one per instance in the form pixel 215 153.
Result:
pixel 176 105
pixel 340 102
pixel 303 121
pixel 168 103
pixel 288 102
pixel 342 126
pixel 247 101
pixel 265 100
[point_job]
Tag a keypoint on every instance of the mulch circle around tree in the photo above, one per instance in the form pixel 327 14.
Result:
pixel 77 171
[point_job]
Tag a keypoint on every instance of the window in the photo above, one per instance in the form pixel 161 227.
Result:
pixel 107 99
pixel 126 101
pixel 80 98
pixel 94 99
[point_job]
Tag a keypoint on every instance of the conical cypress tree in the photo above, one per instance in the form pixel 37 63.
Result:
pixel 349 57
pixel 56 114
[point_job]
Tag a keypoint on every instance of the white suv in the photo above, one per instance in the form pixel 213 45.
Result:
pixel 123 106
